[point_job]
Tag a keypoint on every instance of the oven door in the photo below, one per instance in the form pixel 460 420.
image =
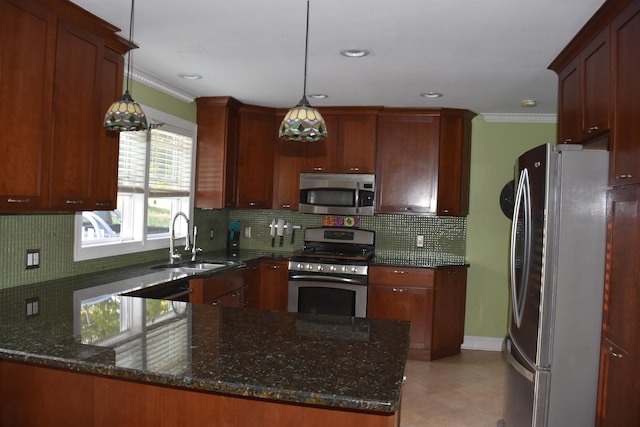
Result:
pixel 321 294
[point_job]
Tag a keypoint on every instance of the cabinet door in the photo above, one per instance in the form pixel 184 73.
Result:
pixel 595 63
pixel 625 148
pixel 274 284
pixel 76 103
pixel 319 156
pixel 448 311
pixel 105 161
pixel 569 104
pixel 257 136
pixel 287 165
pixel 217 153
pixel 252 284
pixel 28 33
pixel 356 147
pixel 404 303
pixel 618 388
pixel 454 163
pixel 407 163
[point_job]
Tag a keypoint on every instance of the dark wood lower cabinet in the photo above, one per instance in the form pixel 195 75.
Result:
pixel 32 396
pixel 266 284
pixel 433 300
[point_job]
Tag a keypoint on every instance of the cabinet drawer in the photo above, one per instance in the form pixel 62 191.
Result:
pixel 405 276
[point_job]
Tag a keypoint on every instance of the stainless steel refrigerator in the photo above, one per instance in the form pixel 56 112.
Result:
pixel 557 255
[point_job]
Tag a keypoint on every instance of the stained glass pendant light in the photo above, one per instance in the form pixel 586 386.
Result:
pixel 126 114
pixel 303 122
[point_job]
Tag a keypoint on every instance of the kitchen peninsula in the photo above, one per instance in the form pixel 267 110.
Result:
pixel 193 364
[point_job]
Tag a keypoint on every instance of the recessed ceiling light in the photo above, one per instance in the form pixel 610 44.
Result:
pixel 431 95
pixel 318 96
pixel 528 103
pixel 354 53
pixel 190 76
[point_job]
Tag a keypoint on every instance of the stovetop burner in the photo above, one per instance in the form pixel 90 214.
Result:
pixel 335 244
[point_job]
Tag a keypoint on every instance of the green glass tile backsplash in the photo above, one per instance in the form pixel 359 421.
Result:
pixel 52 234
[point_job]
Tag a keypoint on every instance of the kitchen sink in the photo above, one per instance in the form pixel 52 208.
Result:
pixel 191 267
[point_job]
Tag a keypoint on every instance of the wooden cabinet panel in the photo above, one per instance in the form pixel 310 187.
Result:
pixel 216 153
pixel 619 381
pixel 448 311
pixel 274 285
pixel 225 289
pixel 402 302
pixel 77 97
pixel 252 284
pixel 423 161
pixel 618 388
pixel 351 145
pixel 105 162
pixel 256 142
pixel 595 60
pixel 288 163
pixel 28 32
pixel 625 145
pixel 569 106
pixel 407 163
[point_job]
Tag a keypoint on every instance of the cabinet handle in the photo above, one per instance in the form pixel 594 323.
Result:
pixel 624 176
pixel 10 200
pixel 613 353
pixel 318 168
pixel 253 204
pixel 354 169
pixel 400 290
pixel 286 206
pixel 566 141
pixel 74 202
pixel 399 272
pixel 274 266
pixel 591 129
pixel 102 204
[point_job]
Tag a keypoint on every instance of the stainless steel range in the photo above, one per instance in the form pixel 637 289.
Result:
pixel 330 274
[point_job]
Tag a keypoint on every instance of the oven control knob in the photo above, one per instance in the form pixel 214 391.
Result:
pixel 320 267
pixel 332 268
pixel 300 266
pixel 344 268
pixel 309 267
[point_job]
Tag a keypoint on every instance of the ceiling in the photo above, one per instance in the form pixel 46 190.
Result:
pixel 486 56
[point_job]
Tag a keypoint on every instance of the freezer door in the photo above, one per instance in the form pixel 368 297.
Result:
pixel 526 252
pixel 527 389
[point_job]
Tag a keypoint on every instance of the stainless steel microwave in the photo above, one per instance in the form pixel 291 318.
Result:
pixel 337 194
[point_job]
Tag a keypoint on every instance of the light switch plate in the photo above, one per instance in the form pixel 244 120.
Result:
pixel 420 240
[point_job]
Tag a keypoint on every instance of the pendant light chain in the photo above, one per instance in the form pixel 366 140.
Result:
pixel 130 43
pixel 306 50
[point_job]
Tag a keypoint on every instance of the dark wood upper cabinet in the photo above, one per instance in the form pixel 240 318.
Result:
pixel 625 141
pixel 66 65
pixel 423 161
pixel 216 153
pixel 256 144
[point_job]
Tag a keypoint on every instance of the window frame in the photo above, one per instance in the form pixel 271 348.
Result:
pixel 173 124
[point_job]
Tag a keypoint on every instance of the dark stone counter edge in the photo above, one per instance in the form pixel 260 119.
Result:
pixel 294 397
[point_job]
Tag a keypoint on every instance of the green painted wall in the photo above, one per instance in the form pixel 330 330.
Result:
pixel 161 101
pixel 495 148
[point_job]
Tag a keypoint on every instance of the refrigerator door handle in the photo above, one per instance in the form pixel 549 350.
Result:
pixel 523 202
pixel 522 370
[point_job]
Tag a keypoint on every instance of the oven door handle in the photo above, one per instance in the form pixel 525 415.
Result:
pixel 325 279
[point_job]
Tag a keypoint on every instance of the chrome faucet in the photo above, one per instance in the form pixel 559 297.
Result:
pixel 173 253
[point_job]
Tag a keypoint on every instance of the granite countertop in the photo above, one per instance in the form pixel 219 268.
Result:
pixel 339 362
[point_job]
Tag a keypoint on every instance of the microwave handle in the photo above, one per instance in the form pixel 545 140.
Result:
pixel 357 197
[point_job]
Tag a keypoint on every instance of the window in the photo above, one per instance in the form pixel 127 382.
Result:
pixel 155 181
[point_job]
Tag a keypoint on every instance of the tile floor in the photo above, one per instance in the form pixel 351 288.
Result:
pixel 461 391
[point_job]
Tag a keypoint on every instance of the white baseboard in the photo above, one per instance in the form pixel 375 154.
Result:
pixel 482 343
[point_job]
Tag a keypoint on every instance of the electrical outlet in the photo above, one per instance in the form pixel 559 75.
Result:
pixel 33 258
pixel 247 232
pixel 420 240
pixel 32 307
pixel 211 234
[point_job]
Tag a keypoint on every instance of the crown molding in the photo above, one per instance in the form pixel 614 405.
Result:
pixel 150 80
pixel 519 118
